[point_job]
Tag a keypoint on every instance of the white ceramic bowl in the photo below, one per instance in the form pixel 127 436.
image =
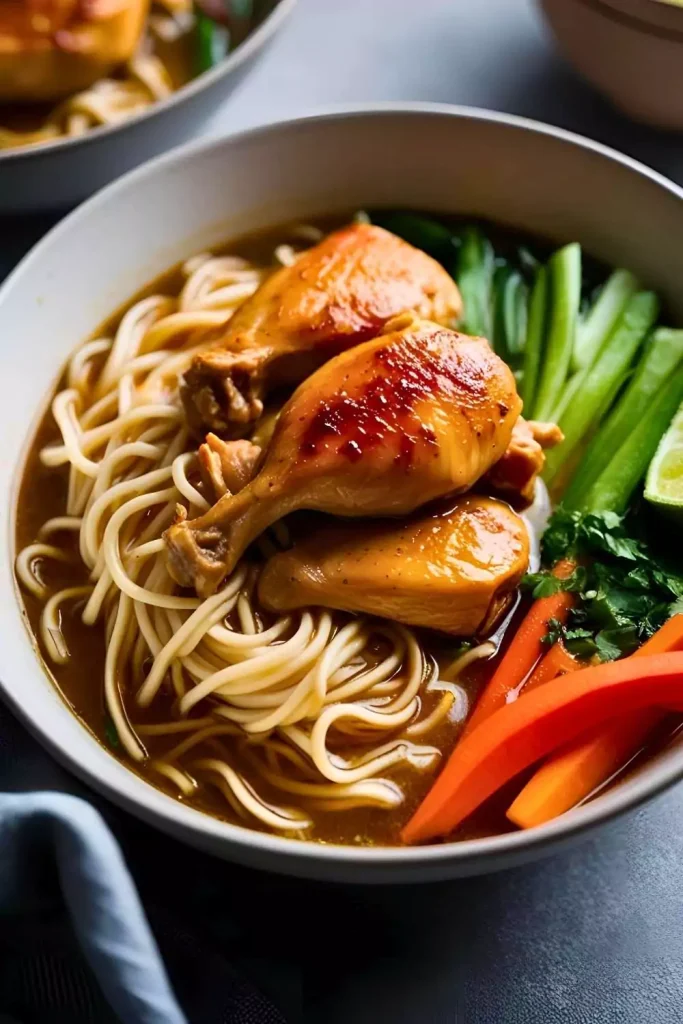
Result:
pixel 59 174
pixel 444 158
pixel 631 50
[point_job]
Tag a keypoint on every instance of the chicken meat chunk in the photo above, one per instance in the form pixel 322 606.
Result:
pixel 453 570
pixel 514 475
pixel 337 294
pixel 419 413
pixel 52 48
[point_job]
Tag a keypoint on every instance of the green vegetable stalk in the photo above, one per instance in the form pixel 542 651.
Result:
pixel 474 275
pixel 615 485
pixel 662 358
pixel 535 334
pixel 509 314
pixel 565 296
pixel 602 318
pixel 211 42
pixel 599 381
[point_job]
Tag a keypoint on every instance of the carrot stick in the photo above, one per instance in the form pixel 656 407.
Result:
pixel 575 771
pixel 557 662
pixel 572 774
pixel 525 650
pixel 540 722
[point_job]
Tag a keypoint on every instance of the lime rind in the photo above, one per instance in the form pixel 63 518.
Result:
pixel 664 480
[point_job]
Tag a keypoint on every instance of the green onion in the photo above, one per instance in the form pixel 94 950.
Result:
pixel 534 338
pixel 212 43
pixel 599 381
pixel 627 467
pixel 663 356
pixel 565 295
pixel 422 232
pixel 475 279
pixel 509 314
pixel 602 318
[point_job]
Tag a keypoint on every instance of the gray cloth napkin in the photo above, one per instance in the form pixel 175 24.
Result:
pixel 73 938
pixel 56 852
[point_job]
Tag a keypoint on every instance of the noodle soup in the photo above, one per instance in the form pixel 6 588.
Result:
pixel 186 651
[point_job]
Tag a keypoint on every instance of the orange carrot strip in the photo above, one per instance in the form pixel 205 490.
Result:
pixel 540 722
pixel 557 662
pixel 668 638
pixel 572 774
pixel 525 650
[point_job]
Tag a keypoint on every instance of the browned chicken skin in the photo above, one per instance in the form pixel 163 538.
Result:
pixel 414 415
pixel 336 295
pixel 52 48
pixel 452 570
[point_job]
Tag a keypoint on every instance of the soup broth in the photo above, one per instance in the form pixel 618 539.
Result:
pixel 270 769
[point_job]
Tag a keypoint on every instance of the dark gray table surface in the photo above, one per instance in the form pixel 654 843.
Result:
pixel 594 935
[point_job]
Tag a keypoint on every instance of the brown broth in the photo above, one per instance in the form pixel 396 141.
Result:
pixel 43 495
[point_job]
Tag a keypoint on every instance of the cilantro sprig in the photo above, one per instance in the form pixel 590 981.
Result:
pixel 625 591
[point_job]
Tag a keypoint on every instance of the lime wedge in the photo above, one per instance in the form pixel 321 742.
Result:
pixel 664 481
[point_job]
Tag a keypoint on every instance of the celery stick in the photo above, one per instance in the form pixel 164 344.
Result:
pixel 535 335
pixel 599 382
pixel 509 314
pixel 571 388
pixel 663 356
pixel 515 313
pixel 613 488
pixel 475 278
pixel 565 295
pixel 602 318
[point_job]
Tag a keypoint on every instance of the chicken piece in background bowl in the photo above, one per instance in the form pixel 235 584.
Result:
pixel 90 89
pixel 51 48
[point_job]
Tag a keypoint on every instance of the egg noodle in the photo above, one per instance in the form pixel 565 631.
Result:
pixel 319 706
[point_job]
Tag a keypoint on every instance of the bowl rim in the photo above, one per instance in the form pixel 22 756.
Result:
pixel 182 821
pixel 254 41
pixel 638 23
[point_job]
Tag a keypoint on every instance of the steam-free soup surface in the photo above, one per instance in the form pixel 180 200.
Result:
pixel 43 495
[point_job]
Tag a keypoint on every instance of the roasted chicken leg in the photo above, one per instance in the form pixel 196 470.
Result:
pixel 419 413
pixel 452 570
pixel 337 294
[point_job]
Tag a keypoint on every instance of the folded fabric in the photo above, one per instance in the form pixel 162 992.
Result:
pixel 56 852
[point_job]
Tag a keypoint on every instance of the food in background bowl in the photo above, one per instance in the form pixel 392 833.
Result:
pixel 277 534
pixel 67 67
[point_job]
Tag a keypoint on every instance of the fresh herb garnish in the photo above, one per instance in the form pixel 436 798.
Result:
pixel 544 584
pixel 625 591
